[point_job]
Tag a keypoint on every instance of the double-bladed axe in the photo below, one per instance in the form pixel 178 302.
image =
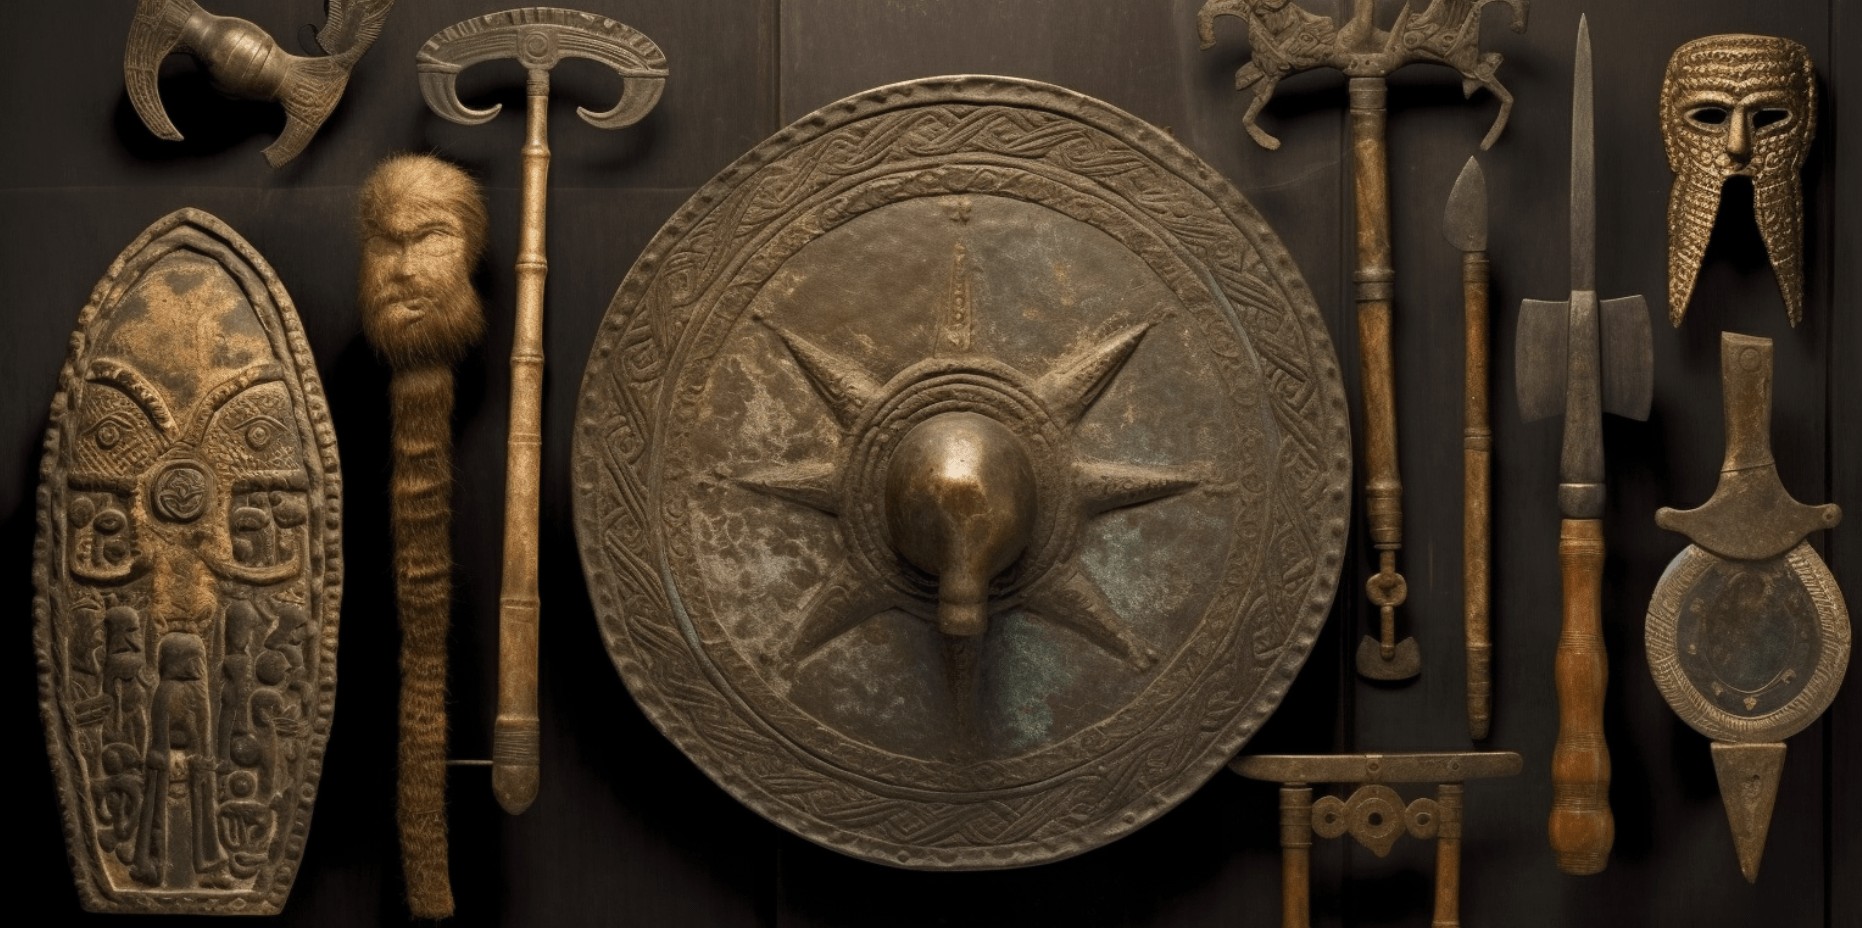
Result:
pixel 1583 357
pixel 537 38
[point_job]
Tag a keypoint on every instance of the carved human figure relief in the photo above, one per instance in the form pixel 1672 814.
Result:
pixel 188 575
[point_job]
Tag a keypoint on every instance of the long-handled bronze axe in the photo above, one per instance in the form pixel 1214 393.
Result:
pixel 538 38
pixel 1583 357
pixel 1287 39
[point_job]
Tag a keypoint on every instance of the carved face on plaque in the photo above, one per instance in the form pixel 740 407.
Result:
pixel 189 511
pixel 1738 106
pixel 961 476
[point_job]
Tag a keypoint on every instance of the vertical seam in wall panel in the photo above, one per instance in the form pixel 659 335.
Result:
pixel 1348 586
pixel 1831 414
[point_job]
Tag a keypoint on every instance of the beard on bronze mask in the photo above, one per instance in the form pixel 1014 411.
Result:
pixel 1737 106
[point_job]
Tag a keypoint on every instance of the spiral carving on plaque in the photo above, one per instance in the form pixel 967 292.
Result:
pixel 188 575
pixel 960 476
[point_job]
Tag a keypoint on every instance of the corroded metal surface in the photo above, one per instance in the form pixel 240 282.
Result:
pixel 1748 637
pixel 538 38
pixel 1738 106
pixel 245 61
pixel 188 571
pixel 928 295
pixel 1747 633
pixel 1583 357
pixel 1374 814
pixel 1287 39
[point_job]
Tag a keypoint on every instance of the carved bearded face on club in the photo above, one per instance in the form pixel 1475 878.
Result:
pixel 1737 106
pixel 423 230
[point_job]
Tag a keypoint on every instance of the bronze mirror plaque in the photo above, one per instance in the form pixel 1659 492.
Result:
pixel 188 573
pixel 961 475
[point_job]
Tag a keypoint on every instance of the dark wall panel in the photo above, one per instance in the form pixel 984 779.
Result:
pixel 629 832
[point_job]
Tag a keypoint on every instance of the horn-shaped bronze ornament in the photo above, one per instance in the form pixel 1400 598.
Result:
pixel 245 61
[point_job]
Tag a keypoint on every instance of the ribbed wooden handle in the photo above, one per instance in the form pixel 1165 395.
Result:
pixel 1581 828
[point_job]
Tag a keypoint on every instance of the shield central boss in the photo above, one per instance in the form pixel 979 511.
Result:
pixel 960 476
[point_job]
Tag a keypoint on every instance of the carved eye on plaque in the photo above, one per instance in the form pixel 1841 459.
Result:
pixel 260 431
pixel 107 433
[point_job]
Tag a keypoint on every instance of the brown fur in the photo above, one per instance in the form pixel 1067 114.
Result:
pixel 423 230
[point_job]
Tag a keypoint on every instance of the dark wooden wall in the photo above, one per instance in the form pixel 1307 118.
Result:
pixel 627 831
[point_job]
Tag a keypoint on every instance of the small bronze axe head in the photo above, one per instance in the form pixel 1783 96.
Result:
pixel 245 61
pixel 1287 40
pixel 538 38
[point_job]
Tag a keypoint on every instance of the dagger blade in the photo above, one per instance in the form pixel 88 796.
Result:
pixel 1583 168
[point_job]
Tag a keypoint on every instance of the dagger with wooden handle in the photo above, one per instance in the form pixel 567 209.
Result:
pixel 1464 223
pixel 1583 357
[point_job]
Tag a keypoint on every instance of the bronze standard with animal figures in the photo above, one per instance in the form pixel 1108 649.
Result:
pixel 423 225
pixel 1287 39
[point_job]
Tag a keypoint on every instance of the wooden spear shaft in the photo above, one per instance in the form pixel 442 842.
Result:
pixel 516 736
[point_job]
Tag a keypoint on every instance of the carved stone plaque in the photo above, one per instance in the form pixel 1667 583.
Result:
pixel 961 475
pixel 188 572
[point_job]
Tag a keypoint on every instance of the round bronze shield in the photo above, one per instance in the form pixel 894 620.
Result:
pixel 935 281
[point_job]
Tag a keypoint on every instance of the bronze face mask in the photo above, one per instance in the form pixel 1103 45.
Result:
pixel 1737 106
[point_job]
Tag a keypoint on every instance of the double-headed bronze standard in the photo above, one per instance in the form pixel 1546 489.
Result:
pixel 1286 40
pixel 538 38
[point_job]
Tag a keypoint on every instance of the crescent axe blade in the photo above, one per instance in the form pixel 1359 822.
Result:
pixel 539 38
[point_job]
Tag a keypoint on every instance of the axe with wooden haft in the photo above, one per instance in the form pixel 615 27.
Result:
pixel 1583 357
pixel 1287 39
pixel 537 38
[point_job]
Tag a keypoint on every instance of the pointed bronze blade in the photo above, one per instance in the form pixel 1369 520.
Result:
pixel 1583 168
pixel 1464 221
pixel 1749 775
